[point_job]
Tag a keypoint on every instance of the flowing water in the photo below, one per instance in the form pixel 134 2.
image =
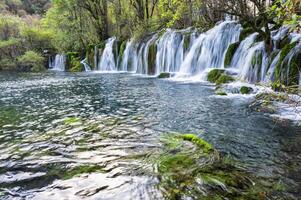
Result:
pixel 86 66
pixel 107 61
pixel 59 62
pixel 89 136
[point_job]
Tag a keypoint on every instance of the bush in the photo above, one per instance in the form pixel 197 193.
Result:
pixel 33 60
pixel 7 64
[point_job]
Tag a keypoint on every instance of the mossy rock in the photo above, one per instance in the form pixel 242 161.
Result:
pixel 121 48
pixel 90 54
pixel 214 75
pixel 283 67
pixel 186 42
pixel 152 53
pixel 221 93
pixel 245 90
pixel 207 148
pixel 245 33
pixel 224 79
pixel 189 168
pixel 164 75
pixel 230 53
pixel 285 41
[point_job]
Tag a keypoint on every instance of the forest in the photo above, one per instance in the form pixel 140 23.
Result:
pixel 29 28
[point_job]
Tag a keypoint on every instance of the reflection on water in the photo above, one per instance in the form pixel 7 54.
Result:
pixel 75 136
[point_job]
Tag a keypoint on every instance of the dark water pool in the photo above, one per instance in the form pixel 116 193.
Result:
pixel 57 125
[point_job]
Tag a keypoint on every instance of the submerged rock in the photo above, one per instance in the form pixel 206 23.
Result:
pixel 190 168
pixel 164 75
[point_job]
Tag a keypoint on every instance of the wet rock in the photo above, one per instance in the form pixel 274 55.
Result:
pixel 90 191
pixel 164 75
pixel 246 90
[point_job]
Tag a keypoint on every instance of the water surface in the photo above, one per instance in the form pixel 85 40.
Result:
pixel 87 135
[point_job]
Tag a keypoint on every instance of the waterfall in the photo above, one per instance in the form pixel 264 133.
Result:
pixel 271 73
pixel 209 49
pixel 130 59
pixel 241 53
pixel 59 62
pixel 170 52
pixel 189 54
pixel 107 60
pixel 86 66
pixel 142 64
pixel 253 64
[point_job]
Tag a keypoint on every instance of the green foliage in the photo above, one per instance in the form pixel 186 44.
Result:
pixel 37 38
pixel 230 53
pixel 8 64
pixel 33 60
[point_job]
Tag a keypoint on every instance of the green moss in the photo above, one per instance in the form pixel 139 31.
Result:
pixel 185 171
pixel 152 53
pixel 245 33
pixel 221 93
pixel 198 141
pixel 230 53
pixel 122 48
pixel 245 90
pixel 90 54
pixel 218 77
pixel 186 42
pixel 281 67
pixel 214 75
pixel 71 120
pixel 224 79
pixel 164 75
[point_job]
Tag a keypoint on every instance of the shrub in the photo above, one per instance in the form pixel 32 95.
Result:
pixel 33 60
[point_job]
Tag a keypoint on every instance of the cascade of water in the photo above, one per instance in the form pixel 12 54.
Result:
pixel 288 59
pixel 242 51
pixel 107 60
pixel 86 66
pixel 270 76
pixel 170 52
pixel 209 49
pixel 251 68
pixel 59 63
pixel 279 35
pixel 130 60
pixel 142 63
